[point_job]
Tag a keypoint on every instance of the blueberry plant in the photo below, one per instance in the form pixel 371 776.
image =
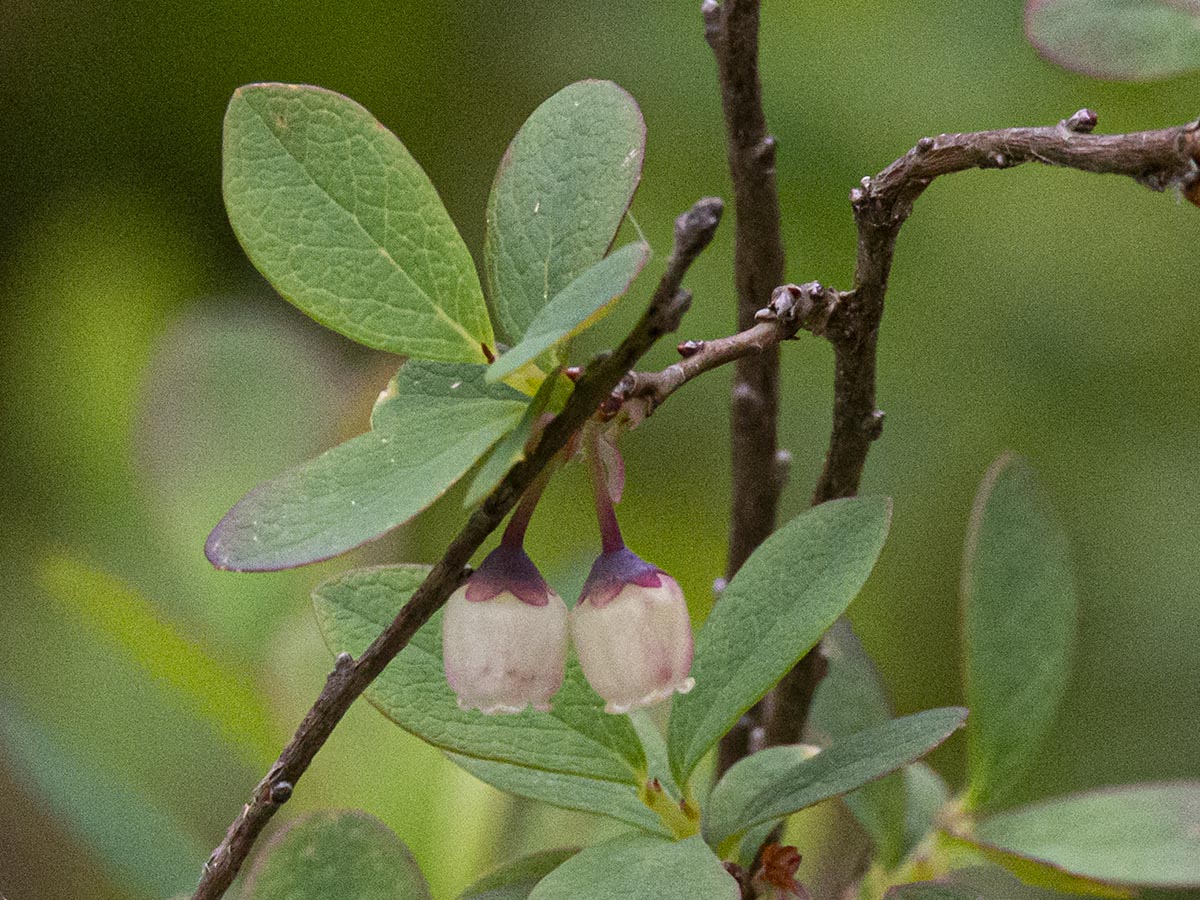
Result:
pixel 774 706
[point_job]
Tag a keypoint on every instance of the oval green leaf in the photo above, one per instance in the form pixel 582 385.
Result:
pixel 431 425
pixel 779 781
pixel 576 307
pixel 1142 834
pixel 511 448
pixel 560 193
pixel 349 855
pixel 576 738
pixel 333 210
pixel 782 600
pixel 1034 873
pixel 1019 612
pixel 929 890
pixel 1121 40
pixel 615 800
pixel 640 866
pixel 515 880
pixel 849 699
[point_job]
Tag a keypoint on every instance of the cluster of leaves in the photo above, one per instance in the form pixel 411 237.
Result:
pixel 1019 615
pixel 333 210
pixel 1122 40
pixel 341 219
pixel 1019 605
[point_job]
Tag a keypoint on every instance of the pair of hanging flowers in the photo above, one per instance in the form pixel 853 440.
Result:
pixel 505 632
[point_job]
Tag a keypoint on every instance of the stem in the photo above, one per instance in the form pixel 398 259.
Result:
pixel 610 531
pixel 693 231
pixel 731 29
pixel 514 534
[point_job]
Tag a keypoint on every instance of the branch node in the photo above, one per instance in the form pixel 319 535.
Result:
pixel 746 397
pixel 857 197
pixel 690 348
pixel 341 663
pixel 1082 122
pixel 281 792
pixel 711 11
pixel 872 425
pixel 925 144
pixel 694 228
pixel 764 153
pixel 783 468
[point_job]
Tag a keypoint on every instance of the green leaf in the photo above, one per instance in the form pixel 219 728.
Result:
pixel 606 798
pixel 640 866
pixel 925 794
pixel 928 890
pixel 147 846
pixel 511 448
pixel 333 210
pixel 560 193
pixel 1034 873
pixel 1019 627
pixel 849 699
pixel 348 855
pixel 658 764
pixel 576 738
pixel 984 882
pixel 434 421
pixel 1122 40
pixel 514 880
pixel 576 307
pixel 1146 834
pixel 779 781
pixel 777 607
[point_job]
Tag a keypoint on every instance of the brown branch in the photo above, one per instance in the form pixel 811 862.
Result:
pixel 792 308
pixel 1162 159
pixel 1157 159
pixel 731 29
pixel 693 231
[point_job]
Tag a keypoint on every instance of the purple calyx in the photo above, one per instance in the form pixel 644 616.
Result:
pixel 614 569
pixel 508 569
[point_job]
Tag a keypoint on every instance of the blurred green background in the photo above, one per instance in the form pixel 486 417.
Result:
pixel 150 378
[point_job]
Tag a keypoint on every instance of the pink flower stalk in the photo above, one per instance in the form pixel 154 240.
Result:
pixel 504 632
pixel 630 627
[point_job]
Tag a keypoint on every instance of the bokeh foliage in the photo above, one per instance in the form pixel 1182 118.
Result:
pixel 150 379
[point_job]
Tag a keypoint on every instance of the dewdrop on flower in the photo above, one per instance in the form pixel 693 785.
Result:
pixel 504 632
pixel 630 627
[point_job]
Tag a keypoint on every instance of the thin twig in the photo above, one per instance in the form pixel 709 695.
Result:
pixel 1166 158
pixel 731 29
pixel 350 677
pixel 792 308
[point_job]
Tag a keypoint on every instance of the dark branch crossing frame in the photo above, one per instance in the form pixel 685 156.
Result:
pixel 768 314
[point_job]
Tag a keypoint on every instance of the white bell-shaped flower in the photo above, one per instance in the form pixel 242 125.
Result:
pixel 504 636
pixel 632 632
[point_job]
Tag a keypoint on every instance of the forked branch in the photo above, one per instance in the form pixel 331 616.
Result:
pixel 1162 159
